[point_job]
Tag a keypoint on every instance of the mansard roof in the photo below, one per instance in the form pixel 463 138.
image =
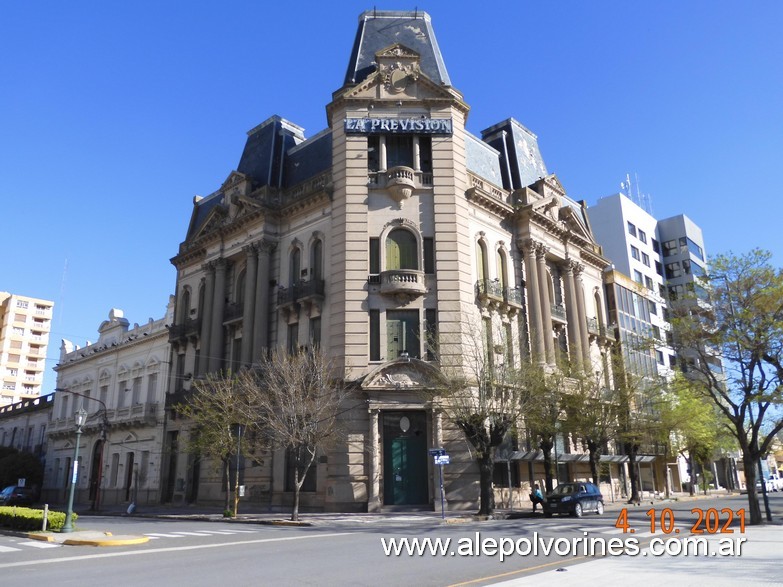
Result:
pixel 379 29
pixel 520 156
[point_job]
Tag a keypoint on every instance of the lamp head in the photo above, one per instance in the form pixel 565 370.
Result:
pixel 80 417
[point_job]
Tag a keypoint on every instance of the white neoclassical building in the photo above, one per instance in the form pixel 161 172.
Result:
pixel 120 381
pixel 391 227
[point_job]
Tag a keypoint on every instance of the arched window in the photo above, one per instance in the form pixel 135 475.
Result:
pixel 296 264
pixel 502 268
pixel 481 261
pixel 201 297
pixel 316 260
pixel 599 315
pixel 401 250
pixel 184 305
pixel 239 294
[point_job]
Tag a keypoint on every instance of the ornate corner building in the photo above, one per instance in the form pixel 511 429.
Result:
pixel 392 227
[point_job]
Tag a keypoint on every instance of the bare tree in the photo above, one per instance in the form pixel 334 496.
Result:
pixel 295 402
pixel 736 317
pixel 485 394
pixel 217 406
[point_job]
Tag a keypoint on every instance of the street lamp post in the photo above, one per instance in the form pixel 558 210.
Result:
pixel 80 417
pixel 96 496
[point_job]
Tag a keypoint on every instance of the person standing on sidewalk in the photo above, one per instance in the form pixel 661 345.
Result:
pixel 537 498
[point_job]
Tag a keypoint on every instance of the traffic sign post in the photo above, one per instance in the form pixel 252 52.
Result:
pixel 441 458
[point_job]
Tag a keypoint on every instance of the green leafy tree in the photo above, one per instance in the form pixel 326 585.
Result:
pixel 696 427
pixel 15 465
pixel 640 403
pixel 591 414
pixel 740 324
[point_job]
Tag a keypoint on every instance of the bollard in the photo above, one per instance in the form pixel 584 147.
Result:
pixel 45 516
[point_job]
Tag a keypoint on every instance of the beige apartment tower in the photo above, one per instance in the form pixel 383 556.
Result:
pixel 24 335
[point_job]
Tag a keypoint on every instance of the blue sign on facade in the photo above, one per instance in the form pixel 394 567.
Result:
pixel 425 126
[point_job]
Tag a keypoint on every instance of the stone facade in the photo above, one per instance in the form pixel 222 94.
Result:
pixel 120 381
pixel 391 228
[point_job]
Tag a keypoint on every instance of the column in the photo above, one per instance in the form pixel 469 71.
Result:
pixel 534 302
pixel 572 315
pixel 216 327
pixel 248 311
pixel 205 314
pixel 261 317
pixel 382 153
pixel 373 480
pixel 546 304
pixel 416 154
pixel 579 292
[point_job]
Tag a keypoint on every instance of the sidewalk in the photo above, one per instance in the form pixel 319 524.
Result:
pixel 757 565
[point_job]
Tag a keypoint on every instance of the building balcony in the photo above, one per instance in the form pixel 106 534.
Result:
pixel 400 182
pixel 559 314
pixel 598 330
pixel 233 312
pixel 126 417
pixel 190 328
pixel 492 294
pixel 403 282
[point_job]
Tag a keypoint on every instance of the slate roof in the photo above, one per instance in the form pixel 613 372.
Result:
pixel 379 29
pixel 520 156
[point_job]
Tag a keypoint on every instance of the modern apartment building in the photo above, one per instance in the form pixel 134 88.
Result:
pixel 390 228
pixel 629 238
pixel 24 335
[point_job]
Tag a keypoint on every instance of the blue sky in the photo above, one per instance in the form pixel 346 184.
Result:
pixel 114 115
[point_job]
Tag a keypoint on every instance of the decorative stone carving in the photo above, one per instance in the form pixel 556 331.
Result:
pixel 403 374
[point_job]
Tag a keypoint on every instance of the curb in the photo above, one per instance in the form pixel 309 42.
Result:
pixel 118 541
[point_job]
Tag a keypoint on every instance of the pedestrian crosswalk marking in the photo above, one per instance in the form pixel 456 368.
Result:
pixel 38 544
pixel 9 549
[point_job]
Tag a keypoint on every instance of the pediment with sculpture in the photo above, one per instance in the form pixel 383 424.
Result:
pixel 403 374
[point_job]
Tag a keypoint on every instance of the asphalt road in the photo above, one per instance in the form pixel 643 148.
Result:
pixel 342 552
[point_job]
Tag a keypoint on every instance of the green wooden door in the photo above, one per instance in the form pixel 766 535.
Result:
pixel 405 460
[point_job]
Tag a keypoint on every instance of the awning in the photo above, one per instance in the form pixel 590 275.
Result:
pixel 538 456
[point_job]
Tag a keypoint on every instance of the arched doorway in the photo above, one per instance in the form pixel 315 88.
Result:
pixel 96 471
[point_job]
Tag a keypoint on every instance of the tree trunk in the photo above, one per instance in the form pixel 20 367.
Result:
pixel 227 504
pixel 236 491
pixel 297 487
pixel 546 448
pixel 754 508
pixel 692 471
pixel 486 495
pixel 594 455
pixel 633 473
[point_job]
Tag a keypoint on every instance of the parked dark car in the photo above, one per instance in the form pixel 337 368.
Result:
pixel 15 495
pixel 574 499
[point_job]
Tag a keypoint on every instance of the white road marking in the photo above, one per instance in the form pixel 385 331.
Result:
pixel 191 533
pixel 225 532
pixel 143 551
pixel 9 549
pixel 161 535
pixel 39 544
